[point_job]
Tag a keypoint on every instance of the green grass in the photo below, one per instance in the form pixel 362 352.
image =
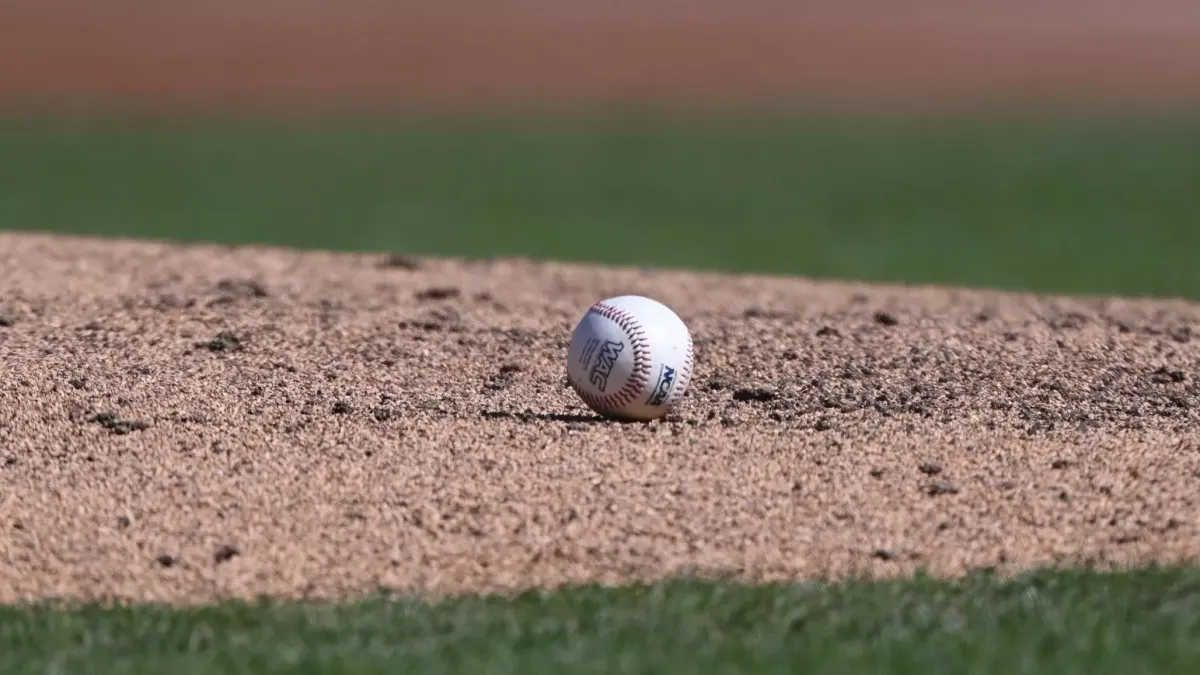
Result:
pixel 1065 623
pixel 1064 206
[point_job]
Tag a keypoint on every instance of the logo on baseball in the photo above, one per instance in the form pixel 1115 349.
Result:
pixel 630 358
pixel 607 358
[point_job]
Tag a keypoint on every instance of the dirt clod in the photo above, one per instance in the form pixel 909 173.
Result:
pixel 399 261
pixel 884 554
pixel 233 290
pixel 1164 375
pixel 941 488
pixel 754 394
pixel 113 422
pixel 886 319
pixel 438 293
pixel 930 469
pixel 225 553
pixel 222 342
pixel 504 378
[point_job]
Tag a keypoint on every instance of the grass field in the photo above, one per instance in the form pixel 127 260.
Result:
pixel 1097 207
pixel 1053 623
pixel 1072 206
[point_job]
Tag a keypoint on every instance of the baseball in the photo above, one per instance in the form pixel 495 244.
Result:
pixel 630 358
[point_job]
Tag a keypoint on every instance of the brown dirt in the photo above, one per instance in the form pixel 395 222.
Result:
pixel 318 54
pixel 189 423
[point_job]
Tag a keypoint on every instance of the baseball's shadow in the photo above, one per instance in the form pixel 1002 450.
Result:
pixel 530 416
pixel 567 417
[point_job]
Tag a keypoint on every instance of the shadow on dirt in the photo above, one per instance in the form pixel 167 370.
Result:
pixel 530 416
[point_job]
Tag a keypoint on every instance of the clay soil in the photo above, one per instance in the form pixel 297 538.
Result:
pixel 183 424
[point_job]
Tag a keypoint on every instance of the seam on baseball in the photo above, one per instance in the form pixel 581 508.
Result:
pixel 639 376
pixel 685 375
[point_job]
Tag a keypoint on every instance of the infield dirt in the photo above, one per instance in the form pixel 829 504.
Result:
pixel 183 424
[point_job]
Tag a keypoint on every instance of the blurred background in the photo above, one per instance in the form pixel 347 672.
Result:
pixel 1032 145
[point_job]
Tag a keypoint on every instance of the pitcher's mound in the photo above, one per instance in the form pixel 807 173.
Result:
pixel 188 423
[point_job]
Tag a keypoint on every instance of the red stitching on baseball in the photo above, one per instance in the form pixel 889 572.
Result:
pixel 685 375
pixel 640 374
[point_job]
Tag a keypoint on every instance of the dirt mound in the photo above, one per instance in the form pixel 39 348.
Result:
pixel 187 423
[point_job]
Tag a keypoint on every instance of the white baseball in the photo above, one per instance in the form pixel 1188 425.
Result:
pixel 630 358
